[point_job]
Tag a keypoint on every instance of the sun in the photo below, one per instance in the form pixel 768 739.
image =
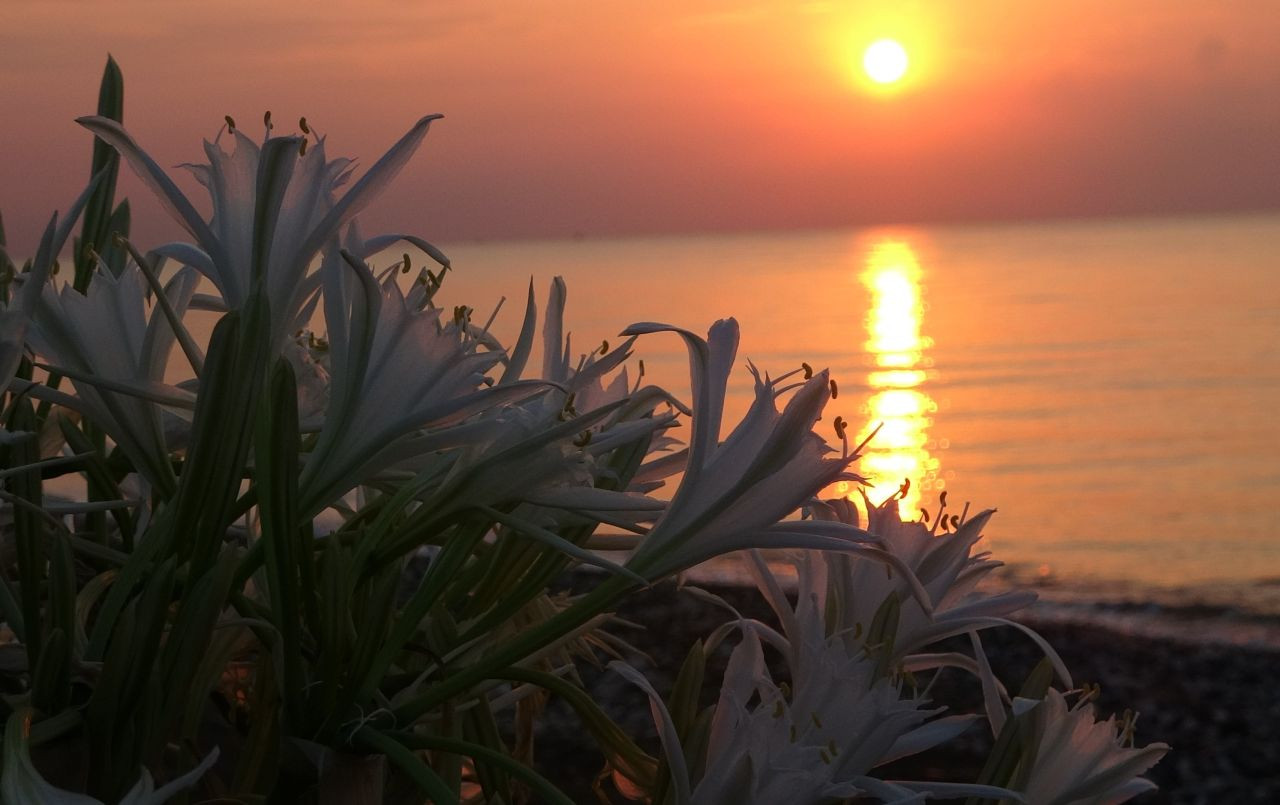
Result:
pixel 885 61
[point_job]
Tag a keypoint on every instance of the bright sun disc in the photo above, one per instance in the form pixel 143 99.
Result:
pixel 885 61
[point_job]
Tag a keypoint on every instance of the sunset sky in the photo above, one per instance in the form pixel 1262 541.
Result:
pixel 580 116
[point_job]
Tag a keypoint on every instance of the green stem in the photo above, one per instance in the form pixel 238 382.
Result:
pixel 540 784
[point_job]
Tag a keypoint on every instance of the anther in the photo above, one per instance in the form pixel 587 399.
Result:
pixel 302 149
pixel 840 426
pixel 404 260
pixel 302 124
pixel 808 370
pixel 231 122
pixel 817 722
pixel 604 346
pixel 266 119
pixel 778 709
pixel 833 388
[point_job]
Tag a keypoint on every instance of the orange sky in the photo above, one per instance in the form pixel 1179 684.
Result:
pixel 567 116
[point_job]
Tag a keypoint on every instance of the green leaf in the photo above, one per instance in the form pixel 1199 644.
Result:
pixel 427 780
pixel 225 644
pixel 22 783
pixel 98 475
pixel 258 767
pixel 199 609
pixel 621 752
pixel 221 433
pixel 1037 682
pixel 1008 759
pixel 51 682
pixel 28 527
pixel 336 633
pixel 96 226
pixel 683 706
pixel 545 791
pixel 558 543
pixel 517 648
pixel 276 480
pixel 882 633
pixel 480 726
pixel 112 255
pixel 12 610
pixel 438 576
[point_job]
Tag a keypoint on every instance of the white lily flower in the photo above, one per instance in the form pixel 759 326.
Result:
pixel 735 492
pixel 395 370
pixel 1081 761
pixel 525 453
pixel 944 564
pixel 309 216
pixel 941 566
pixel 548 449
pixel 115 353
pixel 15 319
pixel 841 718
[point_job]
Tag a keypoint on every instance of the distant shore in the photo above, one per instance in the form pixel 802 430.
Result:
pixel 1218 705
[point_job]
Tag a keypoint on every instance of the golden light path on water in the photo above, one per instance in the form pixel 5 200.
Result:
pixel 897 400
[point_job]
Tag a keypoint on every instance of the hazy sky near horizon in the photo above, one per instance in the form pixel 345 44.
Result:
pixel 580 116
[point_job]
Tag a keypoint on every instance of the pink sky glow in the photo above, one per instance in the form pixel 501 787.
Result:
pixel 569 116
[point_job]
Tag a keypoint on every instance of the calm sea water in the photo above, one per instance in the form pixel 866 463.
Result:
pixel 1112 388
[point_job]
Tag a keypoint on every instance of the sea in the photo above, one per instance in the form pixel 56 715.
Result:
pixel 1110 387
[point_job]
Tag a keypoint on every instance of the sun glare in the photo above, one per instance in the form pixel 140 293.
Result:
pixel 885 61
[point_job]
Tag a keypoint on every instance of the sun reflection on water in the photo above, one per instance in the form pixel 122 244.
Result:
pixel 898 401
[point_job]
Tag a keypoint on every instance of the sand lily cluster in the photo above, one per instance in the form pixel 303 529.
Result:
pixel 312 554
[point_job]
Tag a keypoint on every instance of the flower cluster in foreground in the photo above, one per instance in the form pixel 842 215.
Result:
pixel 312 556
